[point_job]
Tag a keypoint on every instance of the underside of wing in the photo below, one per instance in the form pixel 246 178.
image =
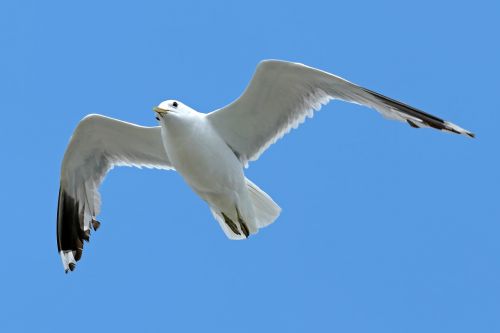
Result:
pixel 98 144
pixel 282 94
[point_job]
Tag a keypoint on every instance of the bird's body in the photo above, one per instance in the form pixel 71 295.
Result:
pixel 209 150
pixel 207 164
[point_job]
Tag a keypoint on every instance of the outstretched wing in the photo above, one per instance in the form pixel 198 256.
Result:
pixel 280 96
pixel 98 144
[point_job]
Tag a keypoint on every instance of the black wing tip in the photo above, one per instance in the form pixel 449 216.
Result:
pixel 426 118
pixel 458 130
pixel 86 235
pixel 96 224
pixel 71 267
pixel 468 134
pixel 411 123
pixel 70 228
pixel 70 233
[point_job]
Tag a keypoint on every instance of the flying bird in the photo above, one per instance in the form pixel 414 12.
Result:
pixel 209 150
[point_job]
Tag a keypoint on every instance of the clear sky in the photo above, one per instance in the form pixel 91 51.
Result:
pixel 384 228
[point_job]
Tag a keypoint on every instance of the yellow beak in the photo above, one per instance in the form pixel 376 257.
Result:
pixel 159 110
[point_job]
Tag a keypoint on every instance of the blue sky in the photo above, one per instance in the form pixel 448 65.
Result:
pixel 384 228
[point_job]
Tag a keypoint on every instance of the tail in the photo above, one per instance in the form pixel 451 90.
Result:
pixel 265 209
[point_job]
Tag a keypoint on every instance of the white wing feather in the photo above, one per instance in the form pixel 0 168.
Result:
pixel 98 144
pixel 282 94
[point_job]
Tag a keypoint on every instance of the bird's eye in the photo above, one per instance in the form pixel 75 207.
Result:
pixel 174 104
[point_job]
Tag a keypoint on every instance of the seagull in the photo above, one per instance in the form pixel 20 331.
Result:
pixel 209 150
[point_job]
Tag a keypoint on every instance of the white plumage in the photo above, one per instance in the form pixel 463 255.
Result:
pixel 209 150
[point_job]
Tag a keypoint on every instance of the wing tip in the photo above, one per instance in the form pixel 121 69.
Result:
pixel 470 135
pixel 68 260
pixel 71 230
pixel 450 127
pixel 96 224
pixel 410 114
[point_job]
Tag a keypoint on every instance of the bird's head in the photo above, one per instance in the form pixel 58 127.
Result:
pixel 171 107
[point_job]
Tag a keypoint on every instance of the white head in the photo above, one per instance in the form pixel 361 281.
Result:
pixel 172 108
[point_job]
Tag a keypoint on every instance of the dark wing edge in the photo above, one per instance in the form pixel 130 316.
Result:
pixel 70 234
pixel 427 119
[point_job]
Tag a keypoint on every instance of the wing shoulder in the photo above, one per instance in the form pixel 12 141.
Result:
pixel 278 98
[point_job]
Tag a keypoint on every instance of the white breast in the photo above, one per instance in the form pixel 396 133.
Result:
pixel 200 155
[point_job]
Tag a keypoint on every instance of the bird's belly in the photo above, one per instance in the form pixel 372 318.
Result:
pixel 204 160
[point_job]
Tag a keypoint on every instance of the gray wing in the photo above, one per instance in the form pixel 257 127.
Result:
pixel 98 144
pixel 281 94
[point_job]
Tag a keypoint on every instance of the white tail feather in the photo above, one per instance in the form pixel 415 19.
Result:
pixel 265 209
